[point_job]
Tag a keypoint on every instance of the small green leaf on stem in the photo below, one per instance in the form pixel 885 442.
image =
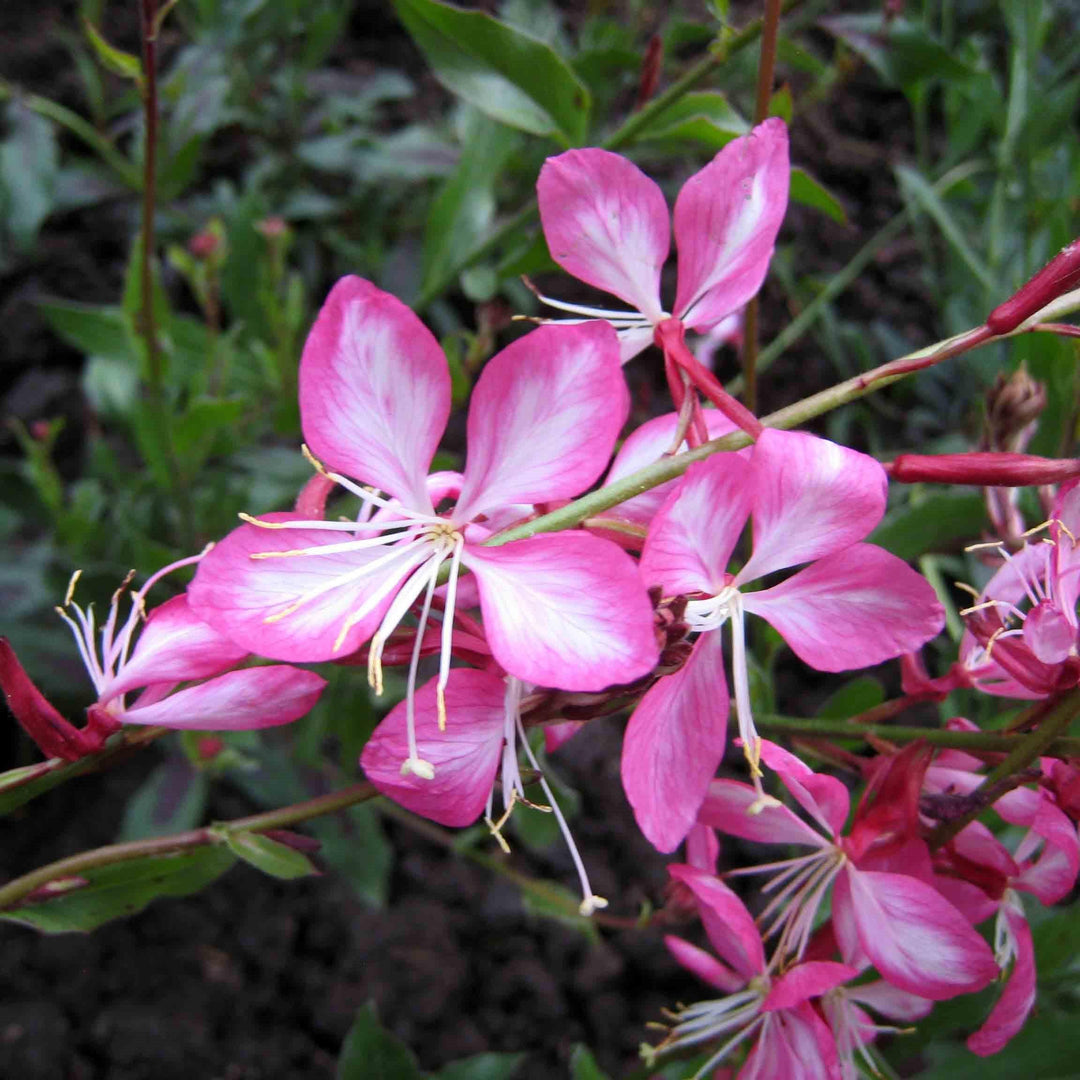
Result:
pixel 271 857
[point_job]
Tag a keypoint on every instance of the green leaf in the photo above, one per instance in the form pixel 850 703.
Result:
pixel 481 1067
pixel 121 889
pixel 115 60
pixel 856 696
pixel 96 331
pixel 29 167
pixel 462 211
pixel 271 857
pixel 170 800
pixel 940 521
pixel 355 846
pixel 372 1053
pixel 705 117
pixel 583 1065
pixel 923 194
pixel 509 75
pixel 810 192
pixel 780 104
pixel 902 54
pixel 196 431
pixel 549 900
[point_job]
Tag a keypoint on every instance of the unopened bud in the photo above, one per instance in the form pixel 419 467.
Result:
pixel 1059 276
pixel 1013 405
pixel 204 244
pixel 209 747
pixel 982 469
pixel 273 227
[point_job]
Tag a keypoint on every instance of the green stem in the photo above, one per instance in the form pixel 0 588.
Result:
pixel 988 742
pixel 147 328
pixel 668 468
pixel 1027 749
pixel 73 866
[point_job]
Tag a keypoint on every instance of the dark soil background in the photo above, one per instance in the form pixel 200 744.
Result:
pixel 256 979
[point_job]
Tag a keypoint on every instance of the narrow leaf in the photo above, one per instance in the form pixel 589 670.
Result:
pixel 810 192
pixel 372 1053
pixel 121 889
pixel 269 856
pixel 116 60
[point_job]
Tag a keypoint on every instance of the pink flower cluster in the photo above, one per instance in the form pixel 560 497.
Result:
pixel 629 604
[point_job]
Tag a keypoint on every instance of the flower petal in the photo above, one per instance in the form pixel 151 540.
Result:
pixel 374 390
pixel 1010 1013
pixel 731 929
pixel 465 755
pixel 812 497
pixel 726 220
pixel 807 980
pixel 823 797
pixel 915 938
pixel 239 595
pixel 852 609
pixel 236 701
pixel 647 445
pixel 606 223
pixel 704 965
pixel 174 646
pixel 693 535
pixel 544 418
pixel 674 743
pixel 734 808
pixel 566 611
pixel 793 1043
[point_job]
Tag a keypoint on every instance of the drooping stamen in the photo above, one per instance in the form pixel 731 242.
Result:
pixel 447 640
pixel 747 732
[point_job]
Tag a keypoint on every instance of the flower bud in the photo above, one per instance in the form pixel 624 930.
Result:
pixel 1013 407
pixel 1058 276
pixel 982 469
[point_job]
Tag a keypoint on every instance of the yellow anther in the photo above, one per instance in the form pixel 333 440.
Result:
pixel 995 544
pixel 440 704
pixel 68 596
pixel 314 462
pixel 418 767
pixel 262 524
pixel 762 802
pixel 591 904
pixel 963 586
pixel 283 613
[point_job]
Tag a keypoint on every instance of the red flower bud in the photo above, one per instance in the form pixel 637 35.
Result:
pixel 983 469
pixel 1058 276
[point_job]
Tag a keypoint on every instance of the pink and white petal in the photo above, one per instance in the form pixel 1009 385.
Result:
pixel 1053 874
pixel 1014 1006
pixel 634 340
pixel 891 1002
pixel 915 938
pixel 374 391
pixel 694 533
pixel 174 646
pixel 823 797
pixel 704 965
pixel 970 900
pixel 726 220
pixel 734 808
pixel 465 755
pixel 565 610
pixel 645 446
pixel 793 1043
pixel 543 418
pixel 731 929
pixel 674 743
pixel 812 497
pixel 853 609
pixel 977 844
pixel 606 223
pixel 236 701
pixel 244 598
pixel 808 980
pixel 556 735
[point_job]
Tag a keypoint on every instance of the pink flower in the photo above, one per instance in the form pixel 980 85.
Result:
pixel 885 908
pixel 810 501
pixel 562 610
pixel 607 224
pixel 173 647
pixel 791 1038
pixel 480 746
